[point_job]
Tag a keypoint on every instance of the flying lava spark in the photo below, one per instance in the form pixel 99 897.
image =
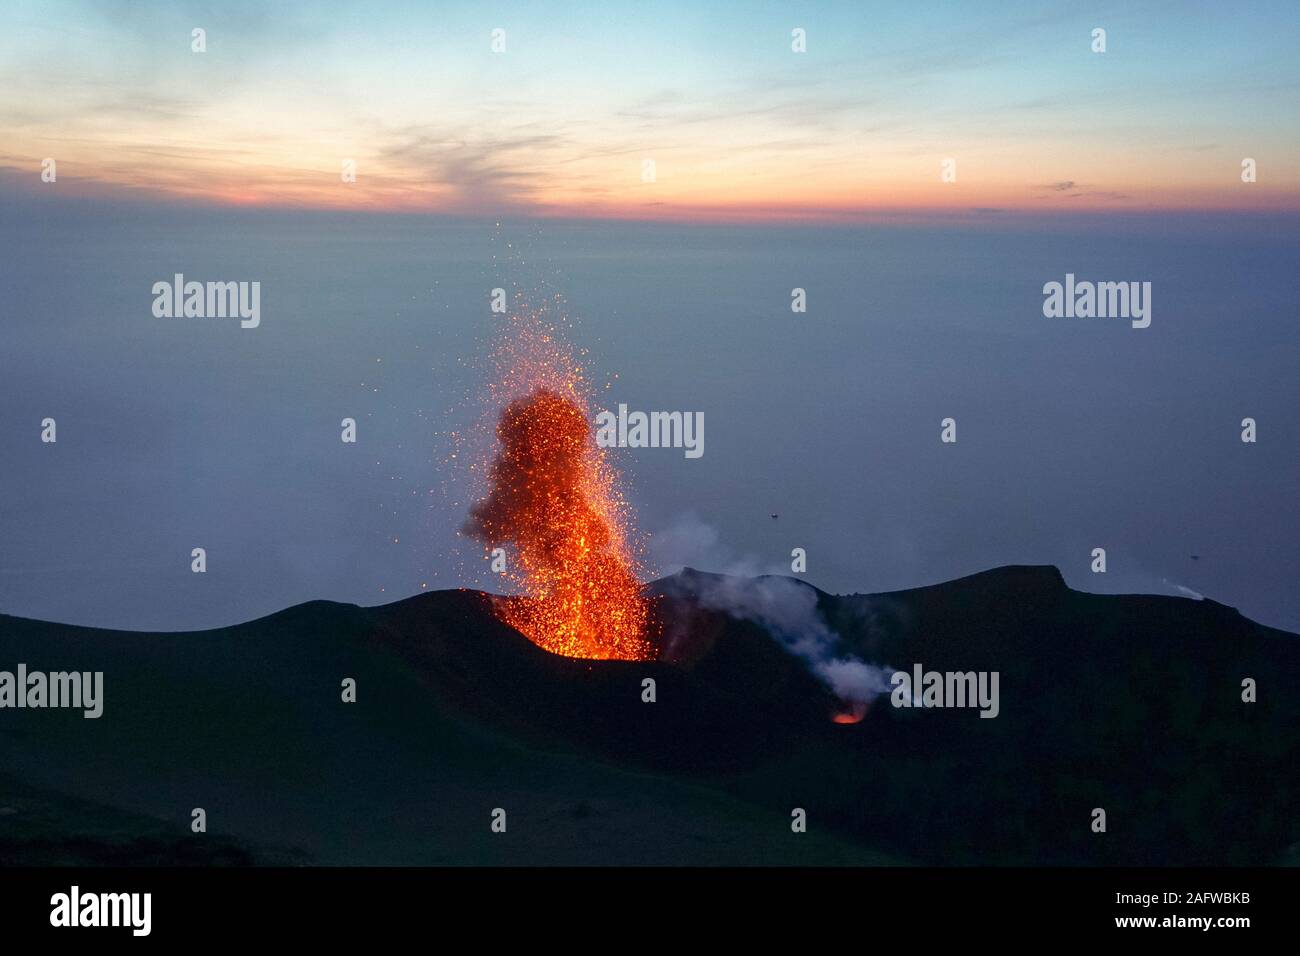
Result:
pixel 555 497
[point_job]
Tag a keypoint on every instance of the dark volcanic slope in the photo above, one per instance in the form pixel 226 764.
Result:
pixel 1128 703
pixel 247 723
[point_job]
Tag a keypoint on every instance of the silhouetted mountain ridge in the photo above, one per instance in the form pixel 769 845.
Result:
pixel 1129 703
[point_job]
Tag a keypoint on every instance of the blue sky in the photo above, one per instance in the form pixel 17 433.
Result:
pixel 736 123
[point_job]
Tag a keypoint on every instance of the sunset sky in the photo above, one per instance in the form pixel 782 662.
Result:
pixel 737 124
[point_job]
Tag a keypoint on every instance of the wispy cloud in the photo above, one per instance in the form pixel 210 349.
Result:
pixel 735 122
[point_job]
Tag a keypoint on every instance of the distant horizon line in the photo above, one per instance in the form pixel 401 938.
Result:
pixel 29 201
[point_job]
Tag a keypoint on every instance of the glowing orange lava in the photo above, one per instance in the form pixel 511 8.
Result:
pixel 853 715
pixel 553 496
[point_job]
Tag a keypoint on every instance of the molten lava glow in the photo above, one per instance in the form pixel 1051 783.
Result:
pixel 854 715
pixel 553 495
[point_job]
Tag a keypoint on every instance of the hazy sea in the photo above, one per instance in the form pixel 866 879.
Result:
pixel 1072 434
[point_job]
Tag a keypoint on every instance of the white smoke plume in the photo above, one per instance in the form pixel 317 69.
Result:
pixel 787 610
pixel 784 607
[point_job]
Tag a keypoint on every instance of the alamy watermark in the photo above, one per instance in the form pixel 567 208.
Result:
pixel 78 690
pixel 922 688
pixel 1101 300
pixel 75 908
pixel 651 430
pixel 208 300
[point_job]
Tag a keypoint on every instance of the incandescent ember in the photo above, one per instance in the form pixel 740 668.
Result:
pixel 553 496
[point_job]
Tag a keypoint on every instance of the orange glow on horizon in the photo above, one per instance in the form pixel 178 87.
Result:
pixel 690 184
